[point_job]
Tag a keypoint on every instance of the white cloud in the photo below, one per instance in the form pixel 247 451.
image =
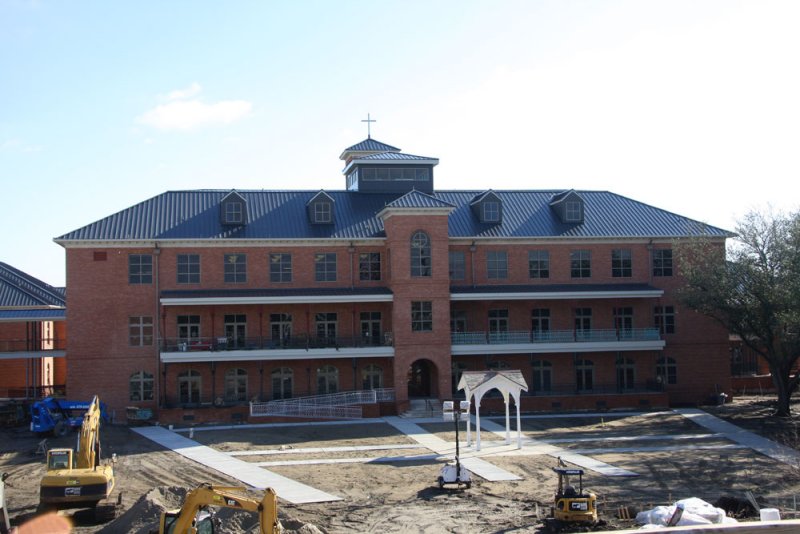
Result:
pixel 190 114
pixel 180 94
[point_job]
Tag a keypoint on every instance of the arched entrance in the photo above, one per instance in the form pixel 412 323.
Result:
pixel 419 379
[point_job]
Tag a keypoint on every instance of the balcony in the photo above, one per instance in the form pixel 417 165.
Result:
pixel 26 348
pixel 260 348
pixel 526 341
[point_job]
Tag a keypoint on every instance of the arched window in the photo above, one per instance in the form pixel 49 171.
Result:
pixel 626 374
pixel 420 254
pixel 141 387
pixel 327 380
pixel 456 369
pixel 189 385
pixel 666 370
pixel 372 377
pixel 235 385
pixel 584 375
pixel 542 376
pixel 282 379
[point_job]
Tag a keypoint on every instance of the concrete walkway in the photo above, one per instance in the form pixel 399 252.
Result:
pixel 286 488
pixel 744 437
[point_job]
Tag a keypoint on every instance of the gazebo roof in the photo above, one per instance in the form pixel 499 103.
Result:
pixel 479 382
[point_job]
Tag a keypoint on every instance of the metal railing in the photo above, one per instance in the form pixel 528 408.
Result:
pixel 344 405
pixel 596 389
pixel 554 336
pixel 298 342
pixel 32 345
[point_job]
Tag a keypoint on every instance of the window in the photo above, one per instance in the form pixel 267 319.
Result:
pixel 406 174
pixel 491 211
pixel 370 328
pixel 539 264
pixel 236 330
pixel 457 265
pixel 282 379
pixel 327 380
pixel 664 319
pixel 662 262
pixel 584 375
pixel 583 323
pixel 280 267
pixel 458 321
pixel 326 327
pixel 325 267
pixel 140 331
pixel 580 262
pixel 498 322
pixel 234 212
pixel 188 327
pixel 420 255
pixel 626 374
pixel 456 370
pixel 421 316
pixel 572 211
pixel 371 377
pixel 542 376
pixel 369 266
pixel 141 387
pixel 280 326
pixel 496 265
pixel 188 268
pixel 666 371
pixel 621 266
pixel 322 212
pixel 189 387
pixel 235 268
pixel 540 323
pixel 236 385
pixel 497 366
pixel 623 322
pixel 140 269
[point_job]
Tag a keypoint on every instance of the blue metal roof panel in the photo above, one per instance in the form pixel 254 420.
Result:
pixel 282 215
pixel 369 145
pixel 418 199
pixel 20 289
pixel 397 156
pixel 33 315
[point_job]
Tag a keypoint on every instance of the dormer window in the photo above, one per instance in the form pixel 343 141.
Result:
pixel 572 211
pixel 233 209
pixel 487 207
pixel 320 209
pixel 491 211
pixel 322 212
pixel 568 207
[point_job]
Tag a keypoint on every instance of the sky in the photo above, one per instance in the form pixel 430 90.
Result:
pixel 690 106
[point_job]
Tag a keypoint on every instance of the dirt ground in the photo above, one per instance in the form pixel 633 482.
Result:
pixel 401 496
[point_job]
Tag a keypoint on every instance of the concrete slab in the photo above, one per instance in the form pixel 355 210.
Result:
pixel 325 450
pixel 286 488
pixel 742 436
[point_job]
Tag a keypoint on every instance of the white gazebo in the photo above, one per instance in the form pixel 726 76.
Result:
pixel 477 383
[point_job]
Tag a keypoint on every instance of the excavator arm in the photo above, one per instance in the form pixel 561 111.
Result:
pixel 88 453
pixel 235 497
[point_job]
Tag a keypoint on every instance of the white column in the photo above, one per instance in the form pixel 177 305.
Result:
pixel 478 426
pixel 519 427
pixel 469 437
pixel 508 421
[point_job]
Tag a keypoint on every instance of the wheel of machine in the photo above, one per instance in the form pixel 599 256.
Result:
pixel 103 513
pixel 60 429
pixel 468 484
pixel 440 480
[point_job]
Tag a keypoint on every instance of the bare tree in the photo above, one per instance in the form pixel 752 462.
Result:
pixel 755 294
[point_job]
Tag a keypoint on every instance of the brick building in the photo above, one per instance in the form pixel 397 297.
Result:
pixel 32 336
pixel 208 299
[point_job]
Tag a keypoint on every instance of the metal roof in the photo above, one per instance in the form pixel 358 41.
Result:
pixel 18 289
pixel 49 314
pixel 418 199
pixel 182 215
pixel 371 145
pixel 397 156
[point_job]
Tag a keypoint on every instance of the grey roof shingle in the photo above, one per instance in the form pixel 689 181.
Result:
pixel 18 289
pixel 282 215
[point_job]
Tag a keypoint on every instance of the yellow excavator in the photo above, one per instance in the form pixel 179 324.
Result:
pixel 75 478
pixel 193 516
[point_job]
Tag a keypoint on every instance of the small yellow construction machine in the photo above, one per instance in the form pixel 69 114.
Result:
pixel 572 507
pixel 76 478
pixel 194 516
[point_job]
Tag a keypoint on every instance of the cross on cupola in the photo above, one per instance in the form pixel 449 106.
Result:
pixel 368 120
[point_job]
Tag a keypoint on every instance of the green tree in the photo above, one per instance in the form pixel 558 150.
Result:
pixel 755 294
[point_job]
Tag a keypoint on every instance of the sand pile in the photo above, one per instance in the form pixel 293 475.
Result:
pixel 143 516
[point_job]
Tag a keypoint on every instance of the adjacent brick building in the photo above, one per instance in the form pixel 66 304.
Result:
pixel 210 298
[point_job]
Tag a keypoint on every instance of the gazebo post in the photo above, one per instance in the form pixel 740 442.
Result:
pixel 469 436
pixel 508 422
pixel 478 423
pixel 519 427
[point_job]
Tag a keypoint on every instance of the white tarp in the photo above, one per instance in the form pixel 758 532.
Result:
pixel 695 512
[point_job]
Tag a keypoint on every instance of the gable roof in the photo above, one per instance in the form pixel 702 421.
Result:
pixel 369 145
pixel 20 290
pixel 181 215
pixel 418 199
pixel 393 156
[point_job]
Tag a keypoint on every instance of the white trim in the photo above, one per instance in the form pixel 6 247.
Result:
pixel 276 355
pixel 292 299
pixel 559 295
pixel 559 240
pixel 221 242
pixel 31 355
pixel 26 319
pixel 539 348
pixel 403 162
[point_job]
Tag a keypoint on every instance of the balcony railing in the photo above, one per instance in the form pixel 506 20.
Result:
pixel 299 342
pixel 28 345
pixel 554 336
